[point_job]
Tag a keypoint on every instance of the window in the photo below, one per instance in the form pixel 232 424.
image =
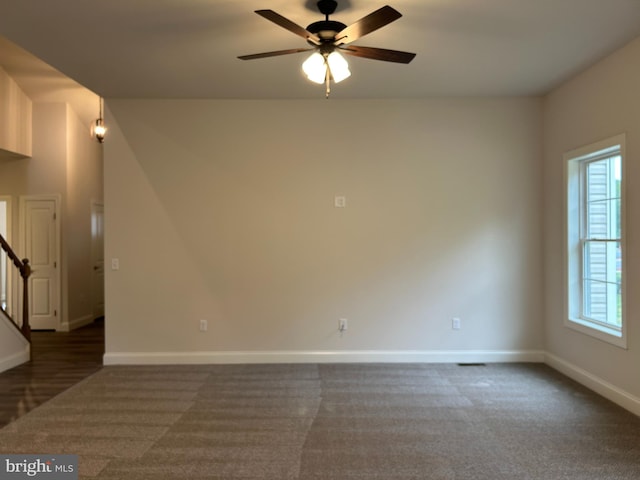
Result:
pixel 595 240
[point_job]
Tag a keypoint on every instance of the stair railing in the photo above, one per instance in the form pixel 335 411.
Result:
pixel 25 272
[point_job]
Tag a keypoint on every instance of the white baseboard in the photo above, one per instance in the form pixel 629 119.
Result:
pixel 76 323
pixel 592 382
pixel 14 360
pixel 358 356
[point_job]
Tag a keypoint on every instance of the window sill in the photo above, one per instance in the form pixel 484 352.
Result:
pixel 601 332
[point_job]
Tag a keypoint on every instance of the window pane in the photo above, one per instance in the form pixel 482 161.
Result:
pixel 617 175
pixel 597 180
pixel 595 261
pixel 598 219
pixel 603 219
pixel 603 198
pixel 595 300
pixel 602 282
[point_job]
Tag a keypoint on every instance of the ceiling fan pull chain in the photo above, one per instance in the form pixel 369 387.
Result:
pixel 328 84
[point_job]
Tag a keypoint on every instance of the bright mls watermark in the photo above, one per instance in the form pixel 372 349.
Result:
pixel 51 467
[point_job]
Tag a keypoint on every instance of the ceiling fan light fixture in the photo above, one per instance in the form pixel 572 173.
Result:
pixel 338 66
pixel 315 68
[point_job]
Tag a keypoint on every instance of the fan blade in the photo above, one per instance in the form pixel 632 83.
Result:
pixel 289 25
pixel 381 17
pixel 274 54
pixel 378 54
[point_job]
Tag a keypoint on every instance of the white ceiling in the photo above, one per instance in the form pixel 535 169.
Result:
pixel 188 48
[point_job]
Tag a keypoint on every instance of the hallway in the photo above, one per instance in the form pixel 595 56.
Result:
pixel 60 360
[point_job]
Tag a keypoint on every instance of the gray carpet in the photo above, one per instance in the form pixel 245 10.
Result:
pixel 311 422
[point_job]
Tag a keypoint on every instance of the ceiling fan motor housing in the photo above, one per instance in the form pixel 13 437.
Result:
pixel 331 27
pixel 326 29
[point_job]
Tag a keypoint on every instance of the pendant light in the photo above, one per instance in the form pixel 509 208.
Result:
pixel 98 128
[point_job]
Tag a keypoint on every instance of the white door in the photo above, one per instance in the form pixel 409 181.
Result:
pixel 97 257
pixel 41 239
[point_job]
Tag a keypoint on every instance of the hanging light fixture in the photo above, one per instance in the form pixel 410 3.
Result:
pixel 315 68
pixel 322 67
pixel 98 129
pixel 338 66
pixel 329 37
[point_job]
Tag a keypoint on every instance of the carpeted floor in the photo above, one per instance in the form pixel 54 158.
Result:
pixel 311 422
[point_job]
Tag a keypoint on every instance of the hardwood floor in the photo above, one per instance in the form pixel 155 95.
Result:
pixel 60 360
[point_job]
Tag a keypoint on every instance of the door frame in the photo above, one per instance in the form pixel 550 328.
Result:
pixel 11 300
pixel 22 219
pixel 94 205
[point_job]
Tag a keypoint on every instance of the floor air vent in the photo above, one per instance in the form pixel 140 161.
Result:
pixel 472 364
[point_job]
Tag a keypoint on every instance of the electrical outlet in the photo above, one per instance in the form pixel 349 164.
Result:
pixel 115 264
pixel 342 324
pixel 455 323
pixel 340 201
pixel 204 325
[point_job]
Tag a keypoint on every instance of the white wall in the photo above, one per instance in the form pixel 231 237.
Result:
pixel 14 349
pixel 223 210
pixel 601 102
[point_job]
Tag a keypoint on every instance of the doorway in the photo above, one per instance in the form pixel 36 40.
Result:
pixel 97 259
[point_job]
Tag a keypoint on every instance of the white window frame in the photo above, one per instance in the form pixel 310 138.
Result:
pixel 574 217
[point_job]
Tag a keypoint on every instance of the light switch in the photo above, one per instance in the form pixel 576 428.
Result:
pixel 115 264
pixel 340 201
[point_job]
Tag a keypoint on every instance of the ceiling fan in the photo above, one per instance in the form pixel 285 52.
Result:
pixel 329 38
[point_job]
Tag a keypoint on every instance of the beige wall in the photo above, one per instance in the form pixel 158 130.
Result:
pixel 15 118
pixel 83 186
pixel 223 210
pixel 44 173
pixel 599 103
pixel 66 161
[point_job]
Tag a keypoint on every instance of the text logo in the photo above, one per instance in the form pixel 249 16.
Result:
pixel 50 467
